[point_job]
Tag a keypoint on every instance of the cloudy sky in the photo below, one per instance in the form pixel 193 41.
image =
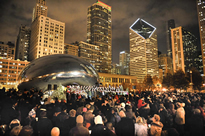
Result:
pixel 13 13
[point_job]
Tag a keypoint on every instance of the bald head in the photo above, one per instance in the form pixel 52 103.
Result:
pixel 55 131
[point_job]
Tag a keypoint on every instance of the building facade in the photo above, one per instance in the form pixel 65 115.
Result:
pixel 23 43
pixel 71 49
pixel 143 50
pixel 170 25
pixel 39 9
pixel 99 32
pixel 184 49
pixel 201 20
pixel 117 80
pixel 90 53
pixel 47 37
pixel 124 61
pixel 9 71
pixel 165 63
pixel 116 69
pixel 7 51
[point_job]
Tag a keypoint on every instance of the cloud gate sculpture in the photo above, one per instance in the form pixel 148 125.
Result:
pixel 48 72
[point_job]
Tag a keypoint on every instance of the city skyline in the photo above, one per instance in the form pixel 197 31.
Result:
pixel 124 13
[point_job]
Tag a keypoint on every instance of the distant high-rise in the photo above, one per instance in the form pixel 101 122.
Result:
pixel 71 49
pixel 99 32
pixel 90 53
pixel 47 37
pixel 7 51
pixel 170 25
pixel 165 63
pixel 23 43
pixel 184 49
pixel 39 9
pixel 143 50
pixel 201 20
pixel 124 62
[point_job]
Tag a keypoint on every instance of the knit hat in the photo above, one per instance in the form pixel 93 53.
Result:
pixel 98 120
pixel 159 124
pixel 123 104
pixel 79 119
pixel 84 109
pixel 156 117
pixel 32 112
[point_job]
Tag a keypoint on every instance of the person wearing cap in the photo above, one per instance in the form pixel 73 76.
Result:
pixel 79 130
pixel 180 118
pixel 125 127
pixel 98 129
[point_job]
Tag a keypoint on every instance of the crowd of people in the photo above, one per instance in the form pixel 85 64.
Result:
pixel 145 113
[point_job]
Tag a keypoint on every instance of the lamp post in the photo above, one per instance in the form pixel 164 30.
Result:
pixel 191 81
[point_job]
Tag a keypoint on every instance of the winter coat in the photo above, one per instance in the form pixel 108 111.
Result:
pixel 156 129
pixel 79 130
pixel 180 116
pixel 125 127
pixel 195 125
pixel 44 126
pixel 99 130
pixel 141 129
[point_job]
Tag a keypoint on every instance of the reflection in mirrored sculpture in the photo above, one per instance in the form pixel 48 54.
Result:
pixel 57 69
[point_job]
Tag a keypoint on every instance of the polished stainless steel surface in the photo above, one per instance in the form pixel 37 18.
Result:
pixel 55 70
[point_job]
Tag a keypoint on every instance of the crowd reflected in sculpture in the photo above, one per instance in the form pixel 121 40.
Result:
pixel 50 71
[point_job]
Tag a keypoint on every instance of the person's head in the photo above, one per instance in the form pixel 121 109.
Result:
pixel 14 123
pixel 15 131
pixel 55 131
pixel 122 114
pixel 98 120
pixel 109 126
pixel 79 119
pixel 26 131
pixel 139 120
pixel 43 114
pixel 156 118
pixel 32 113
pixel 72 113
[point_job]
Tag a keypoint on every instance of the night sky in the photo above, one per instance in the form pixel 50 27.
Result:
pixel 13 13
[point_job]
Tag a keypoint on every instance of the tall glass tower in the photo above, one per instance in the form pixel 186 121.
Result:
pixel 201 20
pixel 143 50
pixel 99 32
pixel 184 49
pixel 170 25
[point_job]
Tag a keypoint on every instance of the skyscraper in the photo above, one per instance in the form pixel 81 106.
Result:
pixel 99 32
pixel 143 50
pixel 170 25
pixel 23 43
pixel 47 37
pixel 124 62
pixel 90 53
pixel 201 20
pixel 7 51
pixel 184 49
pixel 39 9
pixel 165 63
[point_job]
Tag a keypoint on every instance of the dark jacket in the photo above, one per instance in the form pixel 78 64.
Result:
pixel 99 130
pixel 125 127
pixel 79 130
pixel 44 126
